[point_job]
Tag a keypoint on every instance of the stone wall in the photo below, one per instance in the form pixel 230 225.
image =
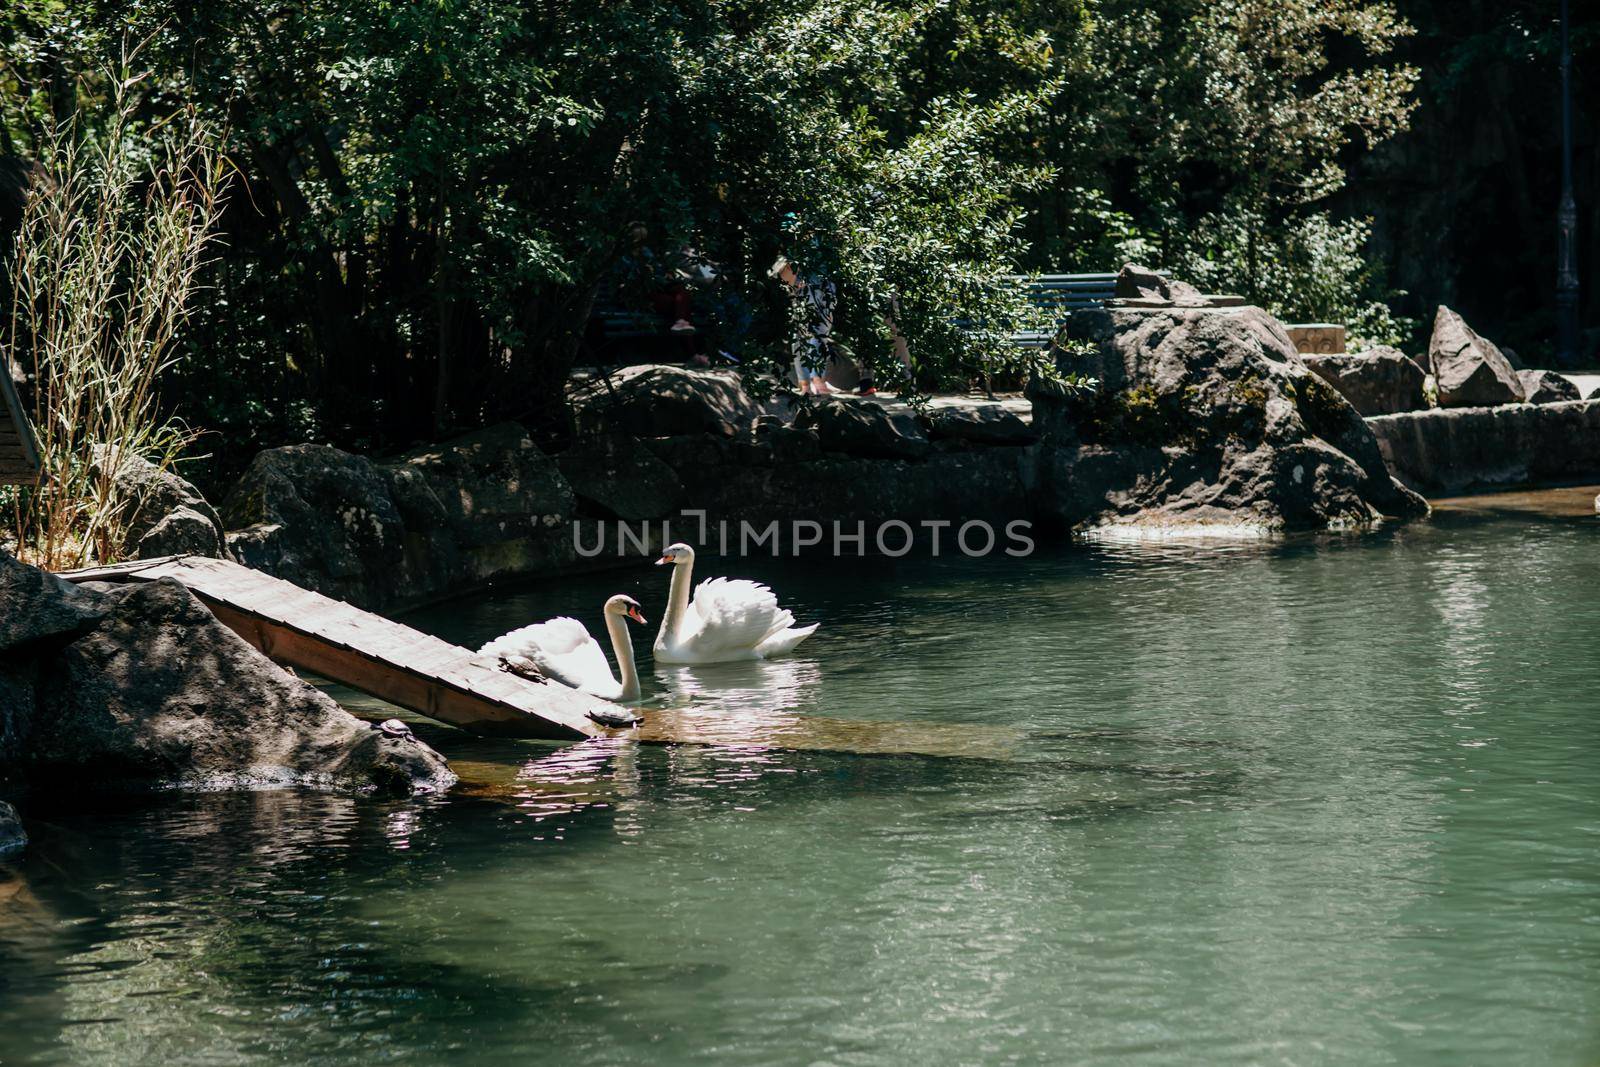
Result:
pixel 1459 449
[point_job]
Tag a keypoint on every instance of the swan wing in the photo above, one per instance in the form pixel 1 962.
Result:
pixel 735 614
pixel 562 649
pixel 776 644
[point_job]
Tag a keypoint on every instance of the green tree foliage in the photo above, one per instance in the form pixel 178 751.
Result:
pixel 1206 136
pixel 431 195
pixel 427 198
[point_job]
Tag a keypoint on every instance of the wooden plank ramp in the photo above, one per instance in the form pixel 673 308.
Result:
pixel 415 671
pixel 19 453
pixel 364 651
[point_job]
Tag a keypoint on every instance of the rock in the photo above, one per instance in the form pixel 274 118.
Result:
pixel 170 517
pixel 620 478
pixel 1470 370
pixel 162 695
pixel 140 686
pixel 183 532
pixel 1514 360
pixel 860 427
pixel 36 606
pixel 660 401
pixel 1454 450
pixel 12 838
pixel 1595 395
pixel 1546 387
pixel 986 423
pixel 829 487
pixel 773 440
pixel 1140 283
pixel 436 521
pixel 485 505
pixel 321 518
pixel 1207 418
pixel 1379 381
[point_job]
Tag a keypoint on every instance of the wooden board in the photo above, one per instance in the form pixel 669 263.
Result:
pixel 364 651
pixel 447 683
pixel 19 454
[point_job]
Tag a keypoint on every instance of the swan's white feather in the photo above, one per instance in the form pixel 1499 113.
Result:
pixel 563 650
pixel 733 618
pixel 784 640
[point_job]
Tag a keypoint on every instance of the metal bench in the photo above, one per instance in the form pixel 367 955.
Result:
pixel 1059 295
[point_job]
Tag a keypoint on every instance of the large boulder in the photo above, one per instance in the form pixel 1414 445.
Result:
pixel 12 837
pixel 158 694
pixel 1469 369
pixel 483 506
pixel 617 477
pixel 169 517
pixel 39 607
pixel 319 517
pixel 1379 381
pixel 432 522
pixel 978 422
pixel 660 401
pixel 1207 418
pixel 1546 387
pixel 861 427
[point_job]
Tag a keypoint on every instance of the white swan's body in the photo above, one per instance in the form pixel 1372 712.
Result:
pixel 564 652
pixel 728 619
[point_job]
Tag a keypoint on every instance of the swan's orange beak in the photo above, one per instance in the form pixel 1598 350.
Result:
pixel 665 559
pixel 635 615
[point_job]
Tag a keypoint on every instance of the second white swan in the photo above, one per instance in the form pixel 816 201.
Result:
pixel 564 652
pixel 729 619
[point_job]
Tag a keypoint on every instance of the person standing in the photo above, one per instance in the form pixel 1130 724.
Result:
pixel 813 346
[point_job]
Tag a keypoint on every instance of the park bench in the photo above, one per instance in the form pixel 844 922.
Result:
pixel 1058 296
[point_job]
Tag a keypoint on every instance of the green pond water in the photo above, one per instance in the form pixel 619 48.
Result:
pixel 1328 801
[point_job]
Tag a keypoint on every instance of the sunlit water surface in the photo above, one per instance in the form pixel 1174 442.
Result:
pixel 1324 802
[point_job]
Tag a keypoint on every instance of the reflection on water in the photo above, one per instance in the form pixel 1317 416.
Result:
pixel 1321 802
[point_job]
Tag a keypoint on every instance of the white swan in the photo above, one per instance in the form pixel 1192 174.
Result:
pixel 564 652
pixel 730 619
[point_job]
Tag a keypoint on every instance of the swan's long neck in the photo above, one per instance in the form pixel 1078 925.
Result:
pixel 622 645
pixel 677 600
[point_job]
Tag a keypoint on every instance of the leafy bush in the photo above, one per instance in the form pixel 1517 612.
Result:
pixel 1309 269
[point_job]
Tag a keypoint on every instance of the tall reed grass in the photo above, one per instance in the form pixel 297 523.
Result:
pixel 103 276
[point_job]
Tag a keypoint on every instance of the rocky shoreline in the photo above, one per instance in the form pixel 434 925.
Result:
pixel 1204 419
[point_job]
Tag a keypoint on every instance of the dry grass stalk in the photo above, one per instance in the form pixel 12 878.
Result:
pixel 105 268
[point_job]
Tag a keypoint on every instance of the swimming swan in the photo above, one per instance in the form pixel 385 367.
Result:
pixel 563 650
pixel 729 619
